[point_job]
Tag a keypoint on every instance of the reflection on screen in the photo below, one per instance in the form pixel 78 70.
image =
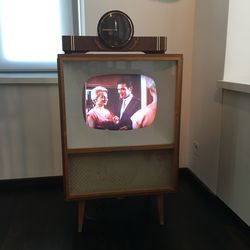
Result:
pixel 119 102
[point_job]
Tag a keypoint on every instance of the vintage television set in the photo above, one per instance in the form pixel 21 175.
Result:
pixel 105 156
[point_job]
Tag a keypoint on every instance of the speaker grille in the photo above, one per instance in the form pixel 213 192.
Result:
pixel 119 171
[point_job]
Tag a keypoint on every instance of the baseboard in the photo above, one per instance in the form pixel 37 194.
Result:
pixel 187 173
pixel 57 180
pixel 35 182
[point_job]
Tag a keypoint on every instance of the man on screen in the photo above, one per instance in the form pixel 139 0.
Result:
pixel 127 106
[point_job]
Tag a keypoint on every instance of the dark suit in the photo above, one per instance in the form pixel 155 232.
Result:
pixel 133 106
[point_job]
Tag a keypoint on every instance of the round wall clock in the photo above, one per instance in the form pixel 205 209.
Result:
pixel 115 29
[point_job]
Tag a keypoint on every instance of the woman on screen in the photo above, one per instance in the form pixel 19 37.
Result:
pixel 100 117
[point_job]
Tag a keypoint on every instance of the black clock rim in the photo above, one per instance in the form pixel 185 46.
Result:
pixel 131 26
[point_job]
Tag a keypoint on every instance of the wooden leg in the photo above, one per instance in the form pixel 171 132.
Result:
pixel 160 206
pixel 81 208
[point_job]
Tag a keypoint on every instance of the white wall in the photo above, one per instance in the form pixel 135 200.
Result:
pixel 234 171
pixel 233 176
pixel 171 18
pixel 220 120
pixel 208 64
pixel 29 130
pixel 237 62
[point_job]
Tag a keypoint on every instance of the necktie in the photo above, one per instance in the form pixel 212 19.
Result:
pixel 122 107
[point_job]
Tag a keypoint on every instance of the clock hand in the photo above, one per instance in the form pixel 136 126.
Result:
pixel 109 29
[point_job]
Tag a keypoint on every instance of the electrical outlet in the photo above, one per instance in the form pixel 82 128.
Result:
pixel 196 147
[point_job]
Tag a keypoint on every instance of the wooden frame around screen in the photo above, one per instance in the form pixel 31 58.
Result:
pixel 172 147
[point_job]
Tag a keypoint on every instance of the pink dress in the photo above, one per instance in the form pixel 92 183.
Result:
pixel 100 118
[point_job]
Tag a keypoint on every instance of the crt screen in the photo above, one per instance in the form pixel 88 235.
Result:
pixel 119 102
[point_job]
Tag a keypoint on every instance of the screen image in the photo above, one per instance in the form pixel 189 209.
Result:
pixel 119 101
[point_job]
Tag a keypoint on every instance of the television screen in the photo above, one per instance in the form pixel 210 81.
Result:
pixel 119 101
pixel 93 83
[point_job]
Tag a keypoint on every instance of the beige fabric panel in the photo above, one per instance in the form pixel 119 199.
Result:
pixel 119 171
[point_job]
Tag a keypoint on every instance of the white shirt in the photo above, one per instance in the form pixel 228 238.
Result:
pixel 125 103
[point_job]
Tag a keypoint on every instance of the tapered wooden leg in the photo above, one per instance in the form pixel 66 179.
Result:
pixel 81 209
pixel 160 207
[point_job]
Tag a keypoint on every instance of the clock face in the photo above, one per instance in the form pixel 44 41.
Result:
pixel 115 29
